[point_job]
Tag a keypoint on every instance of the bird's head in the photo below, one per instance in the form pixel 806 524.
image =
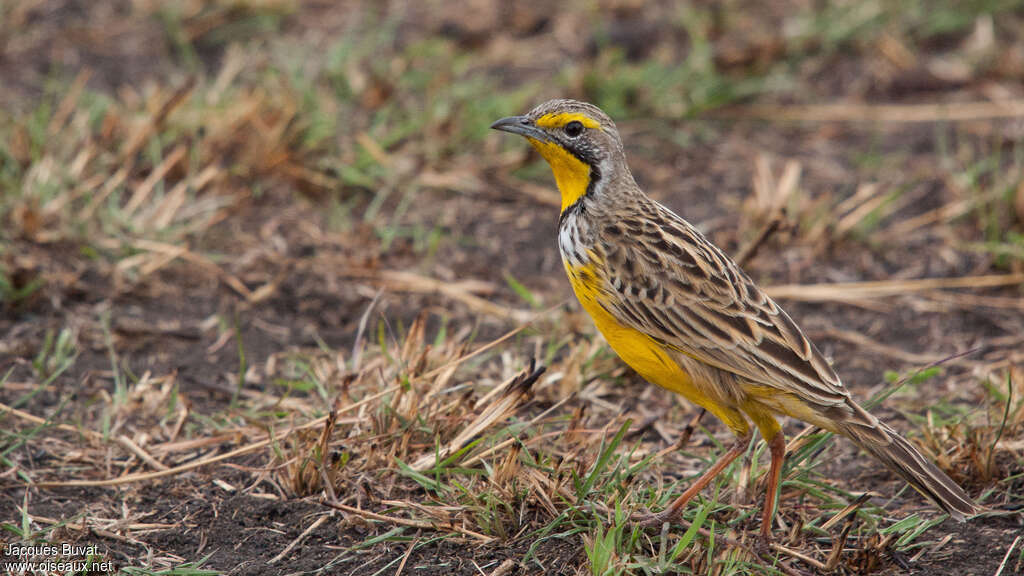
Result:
pixel 579 142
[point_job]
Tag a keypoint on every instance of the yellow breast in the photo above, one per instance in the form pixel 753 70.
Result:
pixel 640 351
pixel 635 348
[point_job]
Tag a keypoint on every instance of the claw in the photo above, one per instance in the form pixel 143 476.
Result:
pixel 646 519
pixel 764 544
pixel 641 515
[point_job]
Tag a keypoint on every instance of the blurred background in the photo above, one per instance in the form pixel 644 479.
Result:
pixel 221 218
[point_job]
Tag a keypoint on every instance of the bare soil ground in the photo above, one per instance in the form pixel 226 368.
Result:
pixel 259 258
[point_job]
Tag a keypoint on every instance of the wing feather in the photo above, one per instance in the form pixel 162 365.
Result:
pixel 680 289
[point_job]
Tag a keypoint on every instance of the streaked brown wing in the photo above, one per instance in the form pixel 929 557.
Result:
pixel 678 288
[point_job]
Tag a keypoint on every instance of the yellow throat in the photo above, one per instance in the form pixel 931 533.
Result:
pixel 571 174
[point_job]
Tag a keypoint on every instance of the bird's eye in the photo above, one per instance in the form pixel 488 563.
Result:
pixel 574 129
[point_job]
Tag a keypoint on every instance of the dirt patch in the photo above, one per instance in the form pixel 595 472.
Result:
pixel 362 193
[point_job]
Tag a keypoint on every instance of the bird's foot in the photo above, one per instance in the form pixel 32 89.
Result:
pixel 764 544
pixel 646 519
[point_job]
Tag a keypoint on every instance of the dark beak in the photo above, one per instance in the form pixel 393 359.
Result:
pixel 520 125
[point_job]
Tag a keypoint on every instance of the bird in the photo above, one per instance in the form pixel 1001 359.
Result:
pixel 686 317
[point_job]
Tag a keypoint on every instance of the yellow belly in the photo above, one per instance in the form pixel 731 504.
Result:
pixel 656 365
pixel 637 349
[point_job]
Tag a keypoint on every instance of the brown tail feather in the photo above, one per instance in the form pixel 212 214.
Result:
pixel 901 457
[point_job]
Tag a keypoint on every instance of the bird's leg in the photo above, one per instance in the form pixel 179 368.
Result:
pixel 777 446
pixel 675 509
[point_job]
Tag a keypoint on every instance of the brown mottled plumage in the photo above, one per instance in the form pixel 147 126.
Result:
pixel 686 317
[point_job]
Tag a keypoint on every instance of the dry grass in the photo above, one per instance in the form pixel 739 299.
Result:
pixel 293 272
pixel 411 440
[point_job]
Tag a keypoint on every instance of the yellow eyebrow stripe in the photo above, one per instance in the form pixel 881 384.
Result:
pixel 559 119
